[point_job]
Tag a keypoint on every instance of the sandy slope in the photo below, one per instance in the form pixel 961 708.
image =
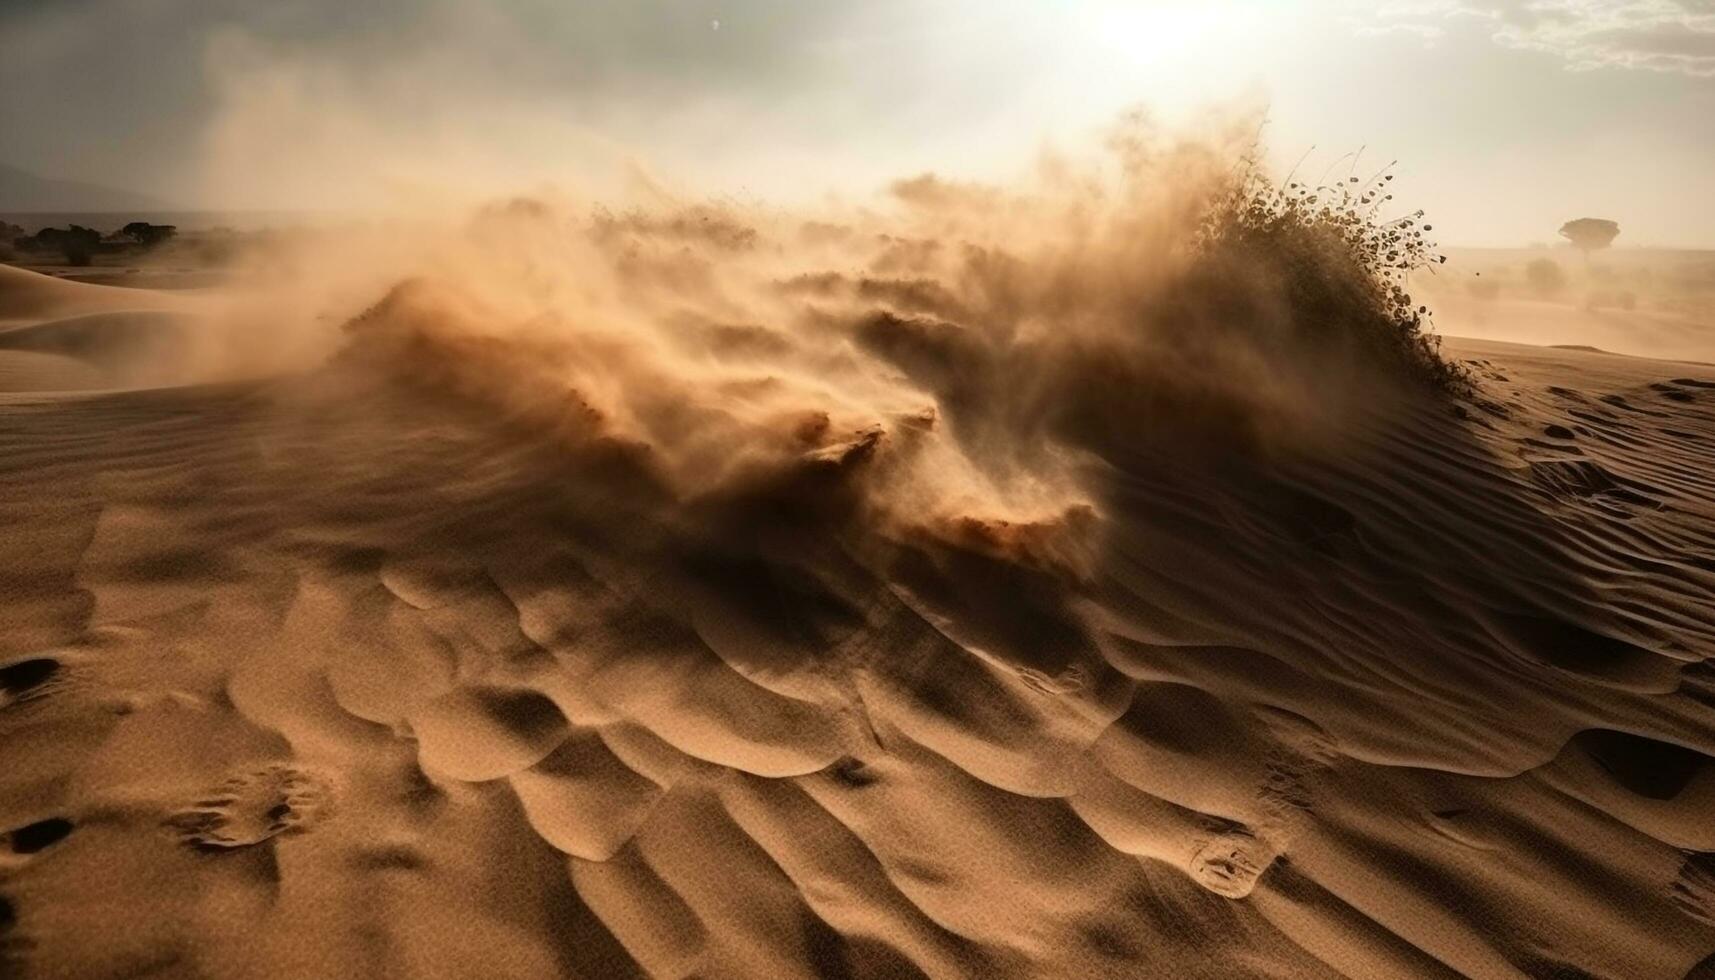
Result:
pixel 56 334
pixel 1620 331
pixel 350 674
pixel 31 296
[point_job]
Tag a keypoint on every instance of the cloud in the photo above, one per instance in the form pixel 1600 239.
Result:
pixel 280 100
pixel 1427 33
pixel 1653 35
pixel 319 103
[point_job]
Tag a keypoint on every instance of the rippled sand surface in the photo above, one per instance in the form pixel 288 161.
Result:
pixel 359 672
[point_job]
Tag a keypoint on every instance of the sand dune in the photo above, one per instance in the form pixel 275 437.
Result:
pixel 1643 333
pixel 384 671
pixel 964 590
pixel 57 334
pixel 31 296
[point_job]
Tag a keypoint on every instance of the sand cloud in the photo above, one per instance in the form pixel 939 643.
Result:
pixel 1655 35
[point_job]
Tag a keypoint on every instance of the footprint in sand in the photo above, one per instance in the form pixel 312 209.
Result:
pixel 1302 749
pixel 252 807
pixel 20 845
pixel 26 679
pixel 1230 864
pixel 1694 887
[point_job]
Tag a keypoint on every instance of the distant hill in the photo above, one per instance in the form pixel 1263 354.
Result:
pixel 24 191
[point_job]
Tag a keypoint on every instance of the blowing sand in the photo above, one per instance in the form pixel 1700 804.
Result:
pixel 374 669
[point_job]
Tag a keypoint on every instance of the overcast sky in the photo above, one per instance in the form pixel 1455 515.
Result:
pixel 1507 116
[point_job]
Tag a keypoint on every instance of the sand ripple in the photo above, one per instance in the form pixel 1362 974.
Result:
pixel 415 689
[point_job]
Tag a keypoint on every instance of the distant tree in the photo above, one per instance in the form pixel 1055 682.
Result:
pixel 1545 276
pixel 10 233
pixel 76 243
pixel 79 245
pixel 148 235
pixel 1590 234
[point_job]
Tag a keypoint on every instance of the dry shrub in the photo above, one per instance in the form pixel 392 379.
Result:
pixel 1336 265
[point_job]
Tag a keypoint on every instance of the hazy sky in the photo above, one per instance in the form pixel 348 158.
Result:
pixel 1507 116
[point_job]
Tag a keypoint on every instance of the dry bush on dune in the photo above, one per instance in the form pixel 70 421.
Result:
pixel 1337 265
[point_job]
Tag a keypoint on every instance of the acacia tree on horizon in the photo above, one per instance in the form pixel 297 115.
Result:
pixel 1589 234
pixel 148 235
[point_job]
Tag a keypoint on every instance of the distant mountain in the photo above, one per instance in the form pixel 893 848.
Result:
pixel 24 191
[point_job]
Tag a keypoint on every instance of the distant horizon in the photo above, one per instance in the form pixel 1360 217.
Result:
pixel 58 218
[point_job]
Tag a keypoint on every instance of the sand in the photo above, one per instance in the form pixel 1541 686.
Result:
pixel 335 674
pixel 1638 332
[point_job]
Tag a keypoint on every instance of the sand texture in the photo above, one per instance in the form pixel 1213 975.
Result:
pixel 374 670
